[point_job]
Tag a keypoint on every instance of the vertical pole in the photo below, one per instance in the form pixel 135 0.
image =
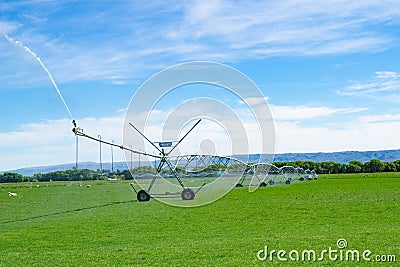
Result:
pixel 112 157
pixel 101 165
pixel 76 154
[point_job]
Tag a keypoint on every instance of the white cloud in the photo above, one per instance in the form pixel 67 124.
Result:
pixel 292 137
pixel 295 133
pixel 385 86
pixel 386 74
pixel 307 112
pixel 53 142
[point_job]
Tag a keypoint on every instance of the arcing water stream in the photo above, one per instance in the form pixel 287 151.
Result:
pixel 27 49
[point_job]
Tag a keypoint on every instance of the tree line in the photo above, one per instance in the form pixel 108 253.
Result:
pixel 329 167
pixel 372 166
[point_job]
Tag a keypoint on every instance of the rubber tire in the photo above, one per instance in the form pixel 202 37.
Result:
pixel 271 182
pixel 143 196
pixel 301 179
pixel 239 185
pixel 187 194
pixel 263 184
pixel 287 181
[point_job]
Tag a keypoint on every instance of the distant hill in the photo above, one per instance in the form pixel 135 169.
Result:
pixel 339 157
pixel 30 171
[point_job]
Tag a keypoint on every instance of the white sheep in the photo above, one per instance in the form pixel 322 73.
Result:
pixel 10 194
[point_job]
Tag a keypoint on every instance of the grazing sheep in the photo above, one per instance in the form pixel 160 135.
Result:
pixel 88 185
pixel 12 194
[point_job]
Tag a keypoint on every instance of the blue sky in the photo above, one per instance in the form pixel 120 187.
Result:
pixel 329 69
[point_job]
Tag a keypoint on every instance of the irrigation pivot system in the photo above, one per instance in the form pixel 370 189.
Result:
pixel 188 166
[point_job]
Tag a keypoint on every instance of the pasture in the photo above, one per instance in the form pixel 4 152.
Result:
pixel 65 224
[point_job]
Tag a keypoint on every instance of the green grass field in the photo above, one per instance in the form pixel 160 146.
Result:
pixel 64 224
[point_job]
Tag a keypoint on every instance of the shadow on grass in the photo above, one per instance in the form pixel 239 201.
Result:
pixel 69 211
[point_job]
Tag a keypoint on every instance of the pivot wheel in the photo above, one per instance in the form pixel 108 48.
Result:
pixel 263 184
pixel 239 185
pixel 271 182
pixel 301 179
pixel 188 194
pixel 143 196
pixel 287 181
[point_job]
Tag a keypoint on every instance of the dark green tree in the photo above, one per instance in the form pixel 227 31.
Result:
pixel 374 165
pixel 390 167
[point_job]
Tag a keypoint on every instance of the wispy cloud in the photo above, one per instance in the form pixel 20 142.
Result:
pixel 380 118
pixel 146 36
pixel 290 27
pixel 385 86
pixel 290 113
pixel 8 26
